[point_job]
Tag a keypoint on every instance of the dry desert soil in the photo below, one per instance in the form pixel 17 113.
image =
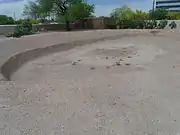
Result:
pixel 126 86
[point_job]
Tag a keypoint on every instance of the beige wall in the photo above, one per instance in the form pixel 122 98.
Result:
pixel 5 29
pixel 52 27
pixel 92 24
pixel 98 23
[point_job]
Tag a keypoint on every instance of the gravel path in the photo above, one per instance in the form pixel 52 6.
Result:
pixel 128 86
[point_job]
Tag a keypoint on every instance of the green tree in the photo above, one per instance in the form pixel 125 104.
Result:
pixel 67 10
pixel 32 10
pixel 79 11
pixel 173 16
pixel 123 13
pixel 140 15
pixel 6 20
pixel 76 12
pixel 21 21
pixel 158 14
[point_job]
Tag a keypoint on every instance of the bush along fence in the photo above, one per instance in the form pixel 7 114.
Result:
pixel 25 28
pixel 145 24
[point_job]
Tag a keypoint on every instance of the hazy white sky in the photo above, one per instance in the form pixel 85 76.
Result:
pixel 102 7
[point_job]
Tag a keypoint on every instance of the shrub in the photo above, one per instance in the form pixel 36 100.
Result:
pixel 9 34
pixel 152 24
pixel 162 24
pixel 126 24
pixel 137 24
pixel 23 29
pixel 4 20
pixel 111 23
pixel 21 21
pixel 140 24
pixel 173 25
pixel 26 28
pixel 131 24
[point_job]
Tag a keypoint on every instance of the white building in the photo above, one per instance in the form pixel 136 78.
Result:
pixel 171 5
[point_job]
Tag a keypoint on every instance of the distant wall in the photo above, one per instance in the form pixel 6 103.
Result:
pixel 89 23
pixel 5 29
pixel 52 27
pixel 177 23
pixel 92 23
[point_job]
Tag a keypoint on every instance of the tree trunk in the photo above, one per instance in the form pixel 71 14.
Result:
pixel 67 25
pixel 67 22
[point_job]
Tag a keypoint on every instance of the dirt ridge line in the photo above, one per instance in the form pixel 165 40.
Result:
pixel 19 59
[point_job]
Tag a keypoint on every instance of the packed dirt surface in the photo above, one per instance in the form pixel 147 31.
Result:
pixel 128 86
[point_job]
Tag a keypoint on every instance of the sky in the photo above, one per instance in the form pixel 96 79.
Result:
pixel 102 7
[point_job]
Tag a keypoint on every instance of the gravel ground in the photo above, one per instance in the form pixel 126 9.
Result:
pixel 128 86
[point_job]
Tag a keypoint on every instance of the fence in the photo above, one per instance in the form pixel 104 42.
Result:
pixel 5 29
pixel 88 24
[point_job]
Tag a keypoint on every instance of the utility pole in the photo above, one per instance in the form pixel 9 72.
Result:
pixel 153 8
pixel 14 16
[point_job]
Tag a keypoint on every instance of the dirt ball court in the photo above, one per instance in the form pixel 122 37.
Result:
pixel 123 86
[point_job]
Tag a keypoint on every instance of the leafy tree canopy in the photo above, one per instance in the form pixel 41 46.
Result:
pixel 140 15
pixel 67 10
pixel 6 20
pixel 123 13
pixel 32 10
pixel 126 13
pixel 158 14
pixel 173 15
pixel 80 10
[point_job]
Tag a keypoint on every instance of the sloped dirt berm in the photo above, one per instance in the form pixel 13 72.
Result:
pixel 127 86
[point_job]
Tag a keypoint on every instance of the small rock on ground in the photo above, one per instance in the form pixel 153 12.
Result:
pixel 92 68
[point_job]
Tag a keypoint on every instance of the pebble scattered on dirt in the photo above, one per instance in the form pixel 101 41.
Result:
pixel 92 68
pixel 112 99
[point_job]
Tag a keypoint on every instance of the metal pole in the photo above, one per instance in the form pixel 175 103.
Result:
pixel 154 4
pixel 153 8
